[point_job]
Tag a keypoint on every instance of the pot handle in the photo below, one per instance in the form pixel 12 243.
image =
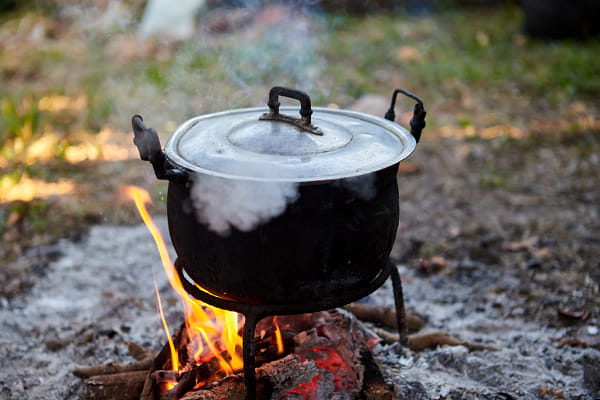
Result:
pixel 148 144
pixel 304 122
pixel 417 122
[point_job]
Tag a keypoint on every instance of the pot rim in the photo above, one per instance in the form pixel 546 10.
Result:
pixel 405 145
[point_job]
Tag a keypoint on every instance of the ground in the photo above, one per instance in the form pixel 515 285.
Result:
pixel 503 183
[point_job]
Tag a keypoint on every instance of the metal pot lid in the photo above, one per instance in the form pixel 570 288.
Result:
pixel 263 144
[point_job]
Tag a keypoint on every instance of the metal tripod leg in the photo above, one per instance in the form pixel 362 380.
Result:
pixel 399 302
pixel 248 354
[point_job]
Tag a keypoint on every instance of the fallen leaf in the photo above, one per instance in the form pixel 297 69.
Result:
pixel 572 315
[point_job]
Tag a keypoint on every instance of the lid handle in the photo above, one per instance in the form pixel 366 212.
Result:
pixel 417 122
pixel 304 122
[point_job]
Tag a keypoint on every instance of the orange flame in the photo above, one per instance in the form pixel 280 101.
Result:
pixel 213 332
pixel 278 338
pixel 174 353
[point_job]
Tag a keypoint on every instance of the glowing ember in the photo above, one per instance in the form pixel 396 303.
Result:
pixel 308 390
pixel 335 364
pixel 212 332
pixel 331 361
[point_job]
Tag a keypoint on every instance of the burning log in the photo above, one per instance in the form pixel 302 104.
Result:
pixel 326 357
pixel 329 354
pixel 383 315
pixel 230 388
pixel 203 374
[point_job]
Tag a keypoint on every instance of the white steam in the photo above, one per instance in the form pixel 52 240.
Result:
pixel 363 186
pixel 225 203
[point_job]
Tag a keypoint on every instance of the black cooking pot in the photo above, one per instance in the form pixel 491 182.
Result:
pixel 332 225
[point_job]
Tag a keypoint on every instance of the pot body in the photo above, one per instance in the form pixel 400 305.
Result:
pixel 333 239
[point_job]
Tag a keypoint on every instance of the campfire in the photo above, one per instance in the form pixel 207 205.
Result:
pixel 325 354
pixel 308 356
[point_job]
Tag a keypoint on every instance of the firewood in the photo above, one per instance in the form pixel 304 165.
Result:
pixel 162 376
pixel 148 388
pixel 431 340
pixel 122 386
pixel 383 315
pixel 230 388
pixel 186 380
pixel 112 368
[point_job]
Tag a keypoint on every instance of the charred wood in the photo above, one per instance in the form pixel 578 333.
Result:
pixel 230 388
pixel 186 381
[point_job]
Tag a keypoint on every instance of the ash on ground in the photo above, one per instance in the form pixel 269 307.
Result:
pixel 98 294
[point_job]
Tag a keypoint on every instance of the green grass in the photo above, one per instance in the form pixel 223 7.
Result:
pixel 481 48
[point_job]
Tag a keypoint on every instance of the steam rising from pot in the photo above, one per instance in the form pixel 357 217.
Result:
pixel 222 204
pixel 363 186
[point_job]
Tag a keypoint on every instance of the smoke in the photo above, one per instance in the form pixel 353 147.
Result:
pixel 223 204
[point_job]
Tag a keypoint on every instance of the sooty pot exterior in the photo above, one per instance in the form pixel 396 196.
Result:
pixel 331 240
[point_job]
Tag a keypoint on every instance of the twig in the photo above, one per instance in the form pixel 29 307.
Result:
pixel 430 340
pixel 383 315
pixel 112 368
